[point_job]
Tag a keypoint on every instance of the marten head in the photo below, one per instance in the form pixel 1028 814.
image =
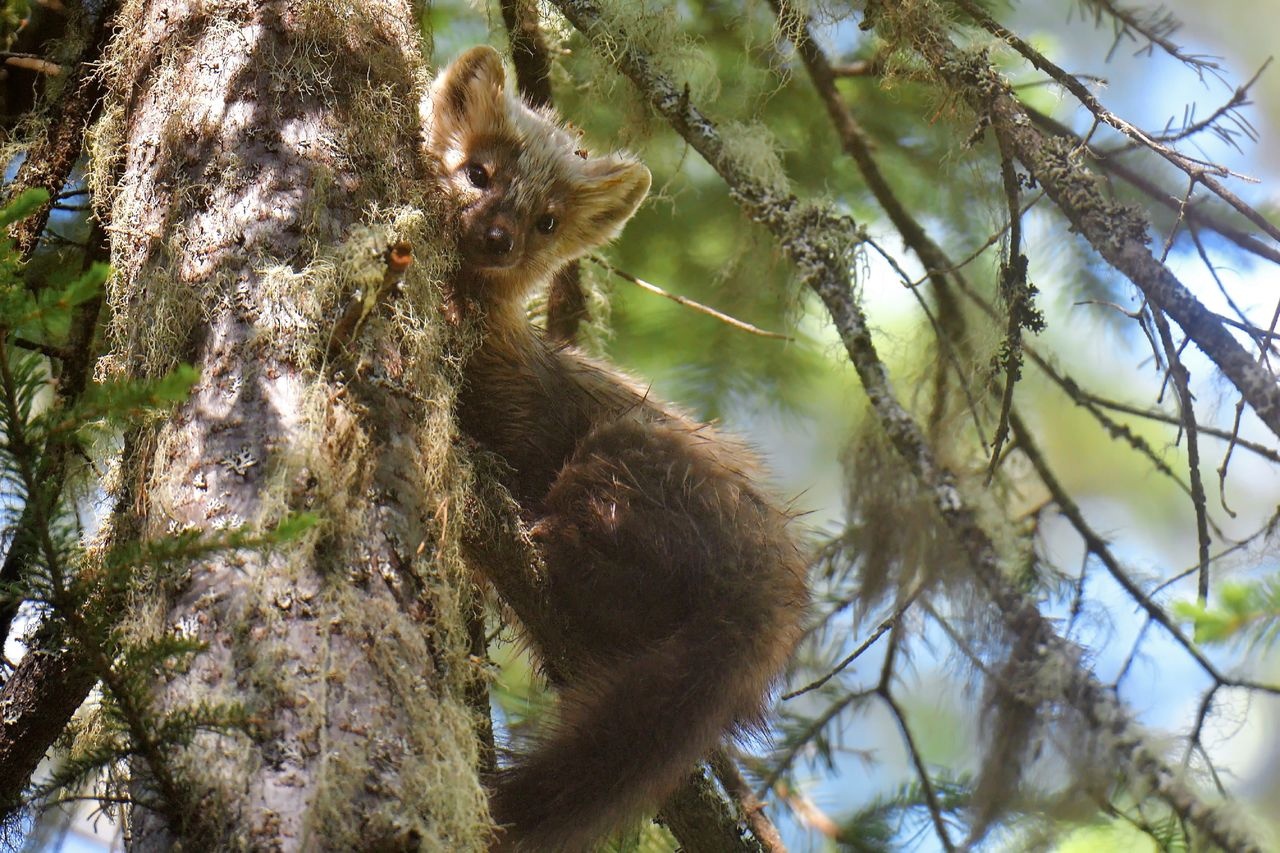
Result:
pixel 528 200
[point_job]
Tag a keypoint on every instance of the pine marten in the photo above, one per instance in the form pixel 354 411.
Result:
pixel 679 587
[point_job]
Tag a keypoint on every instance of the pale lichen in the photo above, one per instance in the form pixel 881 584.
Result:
pixel 228 258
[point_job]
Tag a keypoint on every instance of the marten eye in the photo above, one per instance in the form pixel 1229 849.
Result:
pixel 477 175
pixel 546 223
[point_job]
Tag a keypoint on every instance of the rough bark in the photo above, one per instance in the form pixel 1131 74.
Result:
pixel 254 140
pixel 37 701
pixel 1116 232
pixel 57 147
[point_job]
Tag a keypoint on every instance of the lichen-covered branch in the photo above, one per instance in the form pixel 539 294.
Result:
pixel 1195 215
pixel 53 155
pixel 749 805
pixel 1117 232
pixel 1200 171
pixel 816 243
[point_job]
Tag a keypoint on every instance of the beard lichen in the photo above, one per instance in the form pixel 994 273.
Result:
pixel 246 277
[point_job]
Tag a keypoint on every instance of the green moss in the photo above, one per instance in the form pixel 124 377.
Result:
pixel 335 455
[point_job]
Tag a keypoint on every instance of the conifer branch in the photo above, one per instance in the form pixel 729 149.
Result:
pixel 815 241
pixel 750 807
pixel 1016 293
pixel 1186 405
pixel 50 160
pixel 1200 171
pixel 1196 215
pixel 1156 26
pixel 76 365
pixel 1116 232
pixel 885 692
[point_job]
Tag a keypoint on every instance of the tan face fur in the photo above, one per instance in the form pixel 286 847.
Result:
pixel 527 201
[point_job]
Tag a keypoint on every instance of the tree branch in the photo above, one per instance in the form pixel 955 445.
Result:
pixel 815 241
pixel 749 805
pixel 53 155
pixel 35 705
pixel 1194 214
pixel 1117 233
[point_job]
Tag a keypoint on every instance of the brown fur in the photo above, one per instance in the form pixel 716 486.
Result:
pixel 678 588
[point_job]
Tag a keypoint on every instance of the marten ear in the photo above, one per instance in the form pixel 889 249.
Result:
pixel 467 96
pixel 612 188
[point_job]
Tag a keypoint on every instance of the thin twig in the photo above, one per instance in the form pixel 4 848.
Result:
pixel 856 653
pixel 1013 284
pixel 798 744
pixel 1187 406
pixel 1097 546
pixel 1198 170
pixel 690 303
pixel 1154 191
pixel 1081 93
pixel 950 328
pixel 1155 29
pixel 917 760
pixel 815 241
pixel 1239 98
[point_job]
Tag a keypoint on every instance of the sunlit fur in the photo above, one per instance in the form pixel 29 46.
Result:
pixel 672 578
pixel 534 171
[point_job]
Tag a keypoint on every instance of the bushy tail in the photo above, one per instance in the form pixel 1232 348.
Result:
pixel 624 741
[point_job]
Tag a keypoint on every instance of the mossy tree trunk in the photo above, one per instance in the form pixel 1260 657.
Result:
pixel 243 145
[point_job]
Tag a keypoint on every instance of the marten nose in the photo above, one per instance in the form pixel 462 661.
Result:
pixel 497 241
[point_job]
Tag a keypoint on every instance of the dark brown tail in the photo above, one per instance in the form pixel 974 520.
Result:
pixel 623 743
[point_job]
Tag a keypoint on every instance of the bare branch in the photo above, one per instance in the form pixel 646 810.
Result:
pixel 690 303
pixel 1187 406
pixel 917 760
pixel 749 805
pixel 1155 25
pixel 856 653
pixel 1115 232
pixel 813 239
pixel 1097 546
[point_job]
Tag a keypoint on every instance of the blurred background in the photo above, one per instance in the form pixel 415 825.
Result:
pixel 838 771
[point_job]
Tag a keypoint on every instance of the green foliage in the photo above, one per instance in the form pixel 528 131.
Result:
pixel 1246 612
pixel 42 315
pixel 117 402
pixel 20 207
pixel 876 827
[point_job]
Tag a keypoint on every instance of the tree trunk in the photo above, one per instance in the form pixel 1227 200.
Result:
pixel 257 159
